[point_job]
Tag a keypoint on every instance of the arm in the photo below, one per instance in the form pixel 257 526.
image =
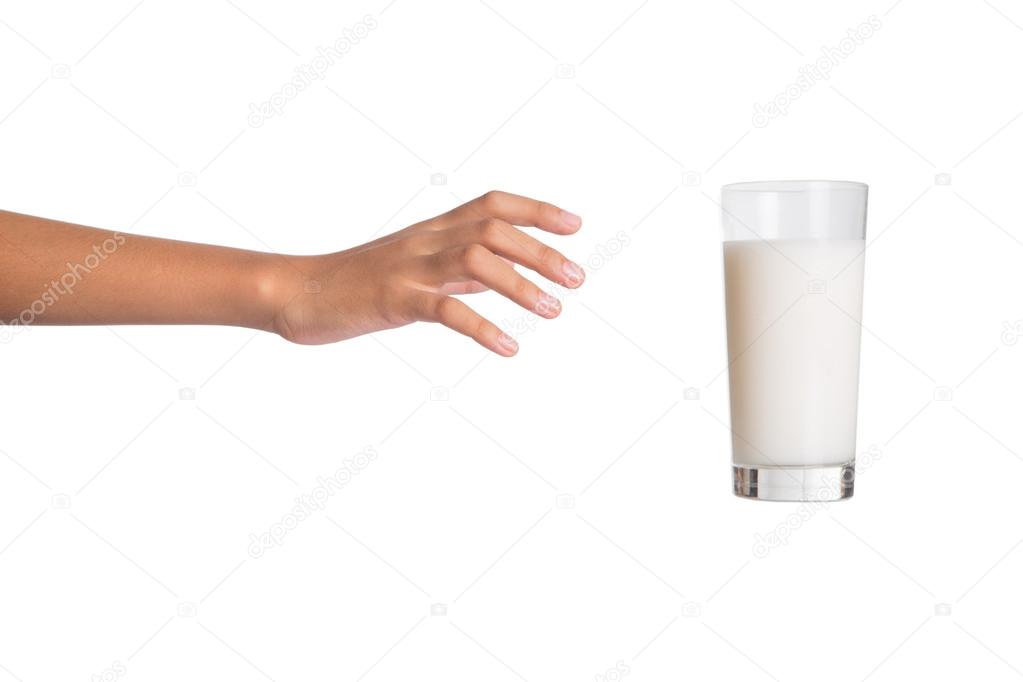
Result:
pixel 58 273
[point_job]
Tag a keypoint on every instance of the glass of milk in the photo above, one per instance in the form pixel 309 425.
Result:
pixel 793 301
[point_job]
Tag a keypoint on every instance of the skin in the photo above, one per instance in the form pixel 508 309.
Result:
pixel 55 273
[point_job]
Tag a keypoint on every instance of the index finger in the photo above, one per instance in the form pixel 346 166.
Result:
pixel 517 210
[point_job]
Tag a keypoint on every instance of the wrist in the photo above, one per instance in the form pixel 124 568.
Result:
pixel 272 282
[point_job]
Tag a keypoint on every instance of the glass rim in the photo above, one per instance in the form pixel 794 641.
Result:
pixel 794 186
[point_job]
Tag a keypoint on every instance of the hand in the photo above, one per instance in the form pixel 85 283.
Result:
pixel 413 275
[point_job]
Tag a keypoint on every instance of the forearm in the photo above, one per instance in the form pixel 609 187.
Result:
pixel 59 273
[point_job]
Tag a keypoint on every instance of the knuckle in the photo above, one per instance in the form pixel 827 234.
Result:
pixel 522 289
pixel 474 256
pixel 489 230
pixel 444 308
pixel 547 255
pixel 491 201
pixel 480 329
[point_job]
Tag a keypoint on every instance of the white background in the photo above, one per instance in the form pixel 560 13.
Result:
pixel 126 511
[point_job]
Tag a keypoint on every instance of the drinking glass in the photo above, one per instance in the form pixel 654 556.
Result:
pixel 793 253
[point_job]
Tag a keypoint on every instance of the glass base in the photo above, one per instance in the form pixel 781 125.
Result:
pixel 794 484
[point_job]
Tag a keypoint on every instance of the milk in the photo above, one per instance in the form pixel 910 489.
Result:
pixel 793 308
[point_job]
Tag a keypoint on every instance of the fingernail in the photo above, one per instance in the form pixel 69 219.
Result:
pixel 573 273
pixel 571 219
pixel 548 306
pixel 508 343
